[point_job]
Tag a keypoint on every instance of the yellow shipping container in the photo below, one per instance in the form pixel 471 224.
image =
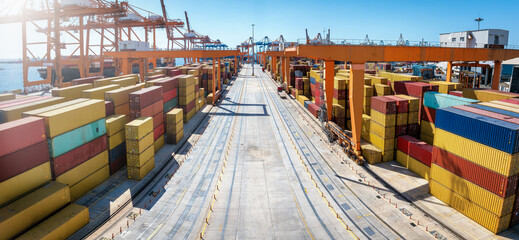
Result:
pixel 483 217
pixel 187 80
pixel 175 128
pixel 125 82
pixel 116 139
pixel 138 146
pixel 98 92
pixel 386 120
pixel 388 156
pixel 446 87
pixel 511 105
pixel 414 165
pixel 401 119
pixel 301 99
pixel 121 95
pixel 365 135
pixel 68 118
pixel 503 163
pixel 72 92
pixel 367 101
pixel 338 102
pixel 414 103
pixel 24 213
pixel 500 106
pixel 84 170
pixel 60 225
pixel 189 116
pixel 115 124
pixel 383 132
pixel 186 91
pixel 175 115
pixel 187 99
pixel 366 123
pixel 103 82
pixel 485 95
pixel 476 194
pixel 137 160
pixel 22 183
pixel 89 183
pixel 368 92
pixel 381 143
pixel 377 80
pixel 340 84
pixel 139 128
pixel 152 82
pixel 53 107
pixel 15 112
pixel 159 143
pixel 366 110
pixel 139 173
pixel 371 154
pixel 426 138
pixel 382 90
pixel 7 96
pixel 413 117
pixel 427 128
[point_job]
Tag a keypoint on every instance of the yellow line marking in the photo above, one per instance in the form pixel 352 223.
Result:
pixel 367 215
pixel 155 232
pixel 182 196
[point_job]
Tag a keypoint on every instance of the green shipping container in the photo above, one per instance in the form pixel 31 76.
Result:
pixel 66 142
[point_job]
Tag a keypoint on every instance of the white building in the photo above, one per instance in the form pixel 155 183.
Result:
pixel 485 38
pixel 134 46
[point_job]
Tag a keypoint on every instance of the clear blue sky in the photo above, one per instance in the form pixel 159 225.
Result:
pixel 230 20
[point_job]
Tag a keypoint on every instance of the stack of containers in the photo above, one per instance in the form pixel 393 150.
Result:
pixel 413 126
pixel 120 99
pixel 98 92
pixel 402 109
pixel 116 142
pixel 306 84
pixel 175 126
pixel 382 126
pixel 13 109
pixel 474 162
pixel 140 152
pixel 89 80
pixel 148 103
pixel 187 96
pixel 316 75
pixel 487 95
pixel 414 155
pixel 365 129
pixel 340 91
pixel 201 99
pixel 78 145
pixel 169 92
pixel 432 102
pixel 382 89
pixel 366 105
pixel 299 87
pixel 24 158
pixel 7 96
pixel 72 92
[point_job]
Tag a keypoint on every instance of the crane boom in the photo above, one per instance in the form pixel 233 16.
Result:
pixel 165 19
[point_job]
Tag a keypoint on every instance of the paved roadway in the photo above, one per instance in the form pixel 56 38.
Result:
pixel 258 171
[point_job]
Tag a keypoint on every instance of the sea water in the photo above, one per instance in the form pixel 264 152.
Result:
pixel 11 76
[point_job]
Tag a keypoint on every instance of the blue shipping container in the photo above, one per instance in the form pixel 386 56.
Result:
pixel 312 80
pixel 170 104
pixel 65 142
pixel 496 110
pixel 117 152
pixel 492 132
pixel 440 100
pixel 306 104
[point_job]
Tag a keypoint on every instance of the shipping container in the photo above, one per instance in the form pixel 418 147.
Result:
pixel 383 132
pixel 22 160
pixel 22 100
pixel 24 213
pixel 125 82
pixel 492 132
pixel 121 96
pixel 84 169
pixel 387 120
pixel 116 139
pixel 115 124
pixel 412 164
pixel 72 92
pixel 78 156
pixel 89 80
pixel 495 115
pixel 503 163
pixel 7 96
pixel 428 114
pixel 20 134
pixel 169 95
pixel 25 182
pixel 158 131
pixel 68 118
pixel 483 177
pixel 439 100
pixel 371 154
pixel 89 183
pixel 60 225
pixel 172 138
pixel 98 92
pixel 145 97
pixel 415 148
pixel 483 217
pixel 138 146
pixel 53 107
pixel 159 143
pixel 138 160
pixel 401 119
pixel 512 110
pixel 168 84
pixel 135 173
pixel 68 141
pixel 138 128
pixel 117 164
pixel 9 114
pixel 402 104
pixel 384 105
pixel 472 192
pixel 381 143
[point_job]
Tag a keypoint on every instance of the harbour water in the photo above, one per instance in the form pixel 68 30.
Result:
pixel 11 76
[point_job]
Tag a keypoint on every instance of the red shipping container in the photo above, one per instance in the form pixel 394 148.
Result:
pixel 21 133
pixel 149 111
pixel 90 80
pixel 511 100
pixel 188 107
pixel 158 119
pixel 145 97
pixel 428 114
pixel 155 77
pixel 78 155
pixel 22 160
pixel 400 130
pixel 400 87
pixel 158 131
pixel 413 130
pixel 383 104
pixel 168 84
pixel 418 89
pixel 340 94
pixel 488 114
pixel 117 164
pixel 167 96
pixel 402 105
pixel 109 108
pixel 299 84
pixel 20 101
pixel 456 93
pixel 313 109
pixel 483 177
pixel 415 148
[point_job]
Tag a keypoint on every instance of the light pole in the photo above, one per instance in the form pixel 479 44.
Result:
pixel 478 20
pixel 252 49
